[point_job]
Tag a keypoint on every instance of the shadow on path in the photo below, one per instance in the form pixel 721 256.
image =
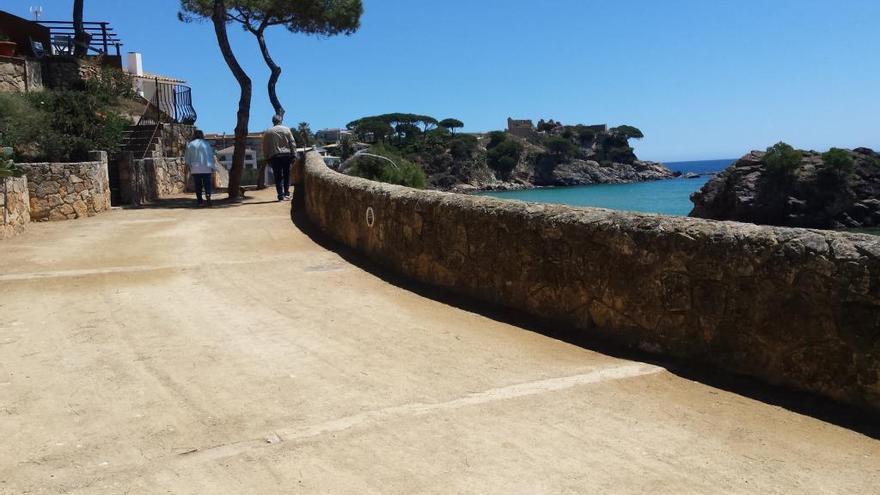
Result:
pixel 852 418
pixel 190 204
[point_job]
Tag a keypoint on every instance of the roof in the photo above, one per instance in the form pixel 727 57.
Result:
pixel 214 135
pixel 151 76
pixel 230 149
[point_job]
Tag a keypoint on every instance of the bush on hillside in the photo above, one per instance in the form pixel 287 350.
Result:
pixel 63 126
pixel 837 165
pixel 560 147
pixel 782 160
pixel 405 173
pixel 503 153
pixel 627 132
pixel 21 125
pixel 584 135
pixel 7 167
pixel 463 146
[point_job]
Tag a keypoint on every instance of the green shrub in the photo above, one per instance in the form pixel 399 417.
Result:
pixel 836 162
pixel 21 125
pixel 503 156
pixel 405 173
pixel 463 146
pixel 7 167
pixel 782 160
pixel 560 147
pixel 62 126
pixel 584 135
pixel 496 138
pixel 627 132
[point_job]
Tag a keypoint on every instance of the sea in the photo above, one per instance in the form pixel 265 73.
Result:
pixel 668 197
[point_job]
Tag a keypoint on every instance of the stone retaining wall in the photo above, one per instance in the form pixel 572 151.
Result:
pixel 144 181
pixel 14 195
pixel 20 75
pixel 67 72
pixel 795 307
pixel 171 176
pixel 63 191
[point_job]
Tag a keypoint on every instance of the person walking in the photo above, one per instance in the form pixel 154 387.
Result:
pixel 199 157
pixel 279 147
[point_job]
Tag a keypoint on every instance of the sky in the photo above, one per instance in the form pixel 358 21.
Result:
pixel 703 79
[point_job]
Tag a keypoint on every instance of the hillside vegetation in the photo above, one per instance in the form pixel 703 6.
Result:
pixel 555 155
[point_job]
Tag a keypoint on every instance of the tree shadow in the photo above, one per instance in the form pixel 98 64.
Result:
pixel 190 204
pixel 850 417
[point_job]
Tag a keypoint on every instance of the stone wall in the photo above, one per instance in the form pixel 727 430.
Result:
pixel 16 216
pixel 175 137
pixel 67 72
pixel 171 176
pixel 795 307
pixel 20 75
pixel 144 181
pixel 63 191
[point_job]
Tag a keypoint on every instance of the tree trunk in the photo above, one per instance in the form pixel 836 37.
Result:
pixel 276 71
pixel 244 101
pixel 81 39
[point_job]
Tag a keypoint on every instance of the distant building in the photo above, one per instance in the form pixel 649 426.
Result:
pixel 225 157
pixel 598 128
pixel 168 98
pixel 522 128
pixel 331 135
pixel 254 141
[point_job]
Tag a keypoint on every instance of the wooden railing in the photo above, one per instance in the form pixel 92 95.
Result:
pixel 103 38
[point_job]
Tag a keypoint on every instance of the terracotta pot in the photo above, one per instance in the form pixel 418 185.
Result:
pixel 7 48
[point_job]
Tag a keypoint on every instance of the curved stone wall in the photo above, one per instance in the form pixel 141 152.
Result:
pixel 794 307
pixel 64 191
pixel 14 198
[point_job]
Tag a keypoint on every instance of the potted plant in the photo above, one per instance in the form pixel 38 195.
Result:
pixel 7 47
pixel 7 167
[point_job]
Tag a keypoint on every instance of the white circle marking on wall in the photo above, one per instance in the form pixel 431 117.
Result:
pixel 370 217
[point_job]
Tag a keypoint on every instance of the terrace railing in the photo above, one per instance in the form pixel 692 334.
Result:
pixel 169 103
pixel 103 38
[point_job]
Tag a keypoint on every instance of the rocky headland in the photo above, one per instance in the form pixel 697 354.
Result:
pixel 796 188
pixel 506 162
pixel 430 153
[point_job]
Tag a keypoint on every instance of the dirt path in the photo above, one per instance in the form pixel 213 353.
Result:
pixel 223 351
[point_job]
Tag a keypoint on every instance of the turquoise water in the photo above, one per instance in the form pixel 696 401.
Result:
pixel 668 197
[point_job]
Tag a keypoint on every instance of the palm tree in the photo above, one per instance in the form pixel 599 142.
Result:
pixel 304 131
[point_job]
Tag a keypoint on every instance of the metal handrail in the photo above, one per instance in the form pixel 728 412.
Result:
pixel 171 103
pixel 342 167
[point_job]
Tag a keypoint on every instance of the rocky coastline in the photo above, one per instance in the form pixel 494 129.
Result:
pixel 573 173
pixel 817 191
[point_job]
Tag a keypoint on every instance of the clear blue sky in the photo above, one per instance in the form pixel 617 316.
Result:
pixel 702 78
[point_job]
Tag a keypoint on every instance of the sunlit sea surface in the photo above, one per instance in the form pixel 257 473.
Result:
pixel 669 197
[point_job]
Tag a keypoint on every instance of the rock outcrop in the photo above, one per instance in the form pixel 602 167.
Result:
pixel 810 197
pixel 581 172
pixel 538 168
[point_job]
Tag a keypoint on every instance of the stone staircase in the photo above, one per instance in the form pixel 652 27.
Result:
pixel 141 140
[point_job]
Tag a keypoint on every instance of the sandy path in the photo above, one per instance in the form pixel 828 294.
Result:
pixel 223 351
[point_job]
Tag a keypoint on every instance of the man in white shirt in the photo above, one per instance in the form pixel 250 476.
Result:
pixel 279 147
pixel 199 157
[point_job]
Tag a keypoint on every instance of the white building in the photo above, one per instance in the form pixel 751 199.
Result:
pixel 331 135
pixel 225 157
pixel 169 95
